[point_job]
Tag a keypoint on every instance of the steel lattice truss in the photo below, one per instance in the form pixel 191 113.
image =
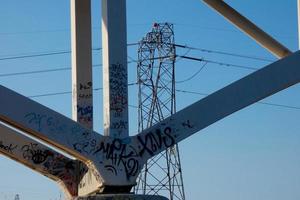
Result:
pixel 162 174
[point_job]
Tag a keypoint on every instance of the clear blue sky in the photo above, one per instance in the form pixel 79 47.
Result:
pixel 251 155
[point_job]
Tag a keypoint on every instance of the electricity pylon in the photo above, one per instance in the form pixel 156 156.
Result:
pixel 162 174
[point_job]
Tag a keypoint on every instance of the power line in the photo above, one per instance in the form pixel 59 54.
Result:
pixel 49 94
pixel 259 102
pixel 225 53
pixel 191 92
pixel 35 55
pixel 41 54
pixel 202 60
pixel 178 90
pixel 68 92
pixel 217 62
pixel 46 70
pixel 41 71
pixel 133 44
pixel 194 75
pixel 49 53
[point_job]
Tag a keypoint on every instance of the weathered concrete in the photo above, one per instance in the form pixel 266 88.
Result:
pixel 117 162
pixel 114 53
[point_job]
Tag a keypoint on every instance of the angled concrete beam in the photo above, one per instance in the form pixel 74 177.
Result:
pixel 124 158
pixel 47 125
pixel 249 28
pixel 96 151
pixel 42 159
pixel 234 97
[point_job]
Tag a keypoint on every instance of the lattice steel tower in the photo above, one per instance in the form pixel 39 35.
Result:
pixel 156 79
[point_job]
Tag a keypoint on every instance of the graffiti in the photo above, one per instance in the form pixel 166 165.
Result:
pixel 118 72
pixel 42 121
pixel 87 110
pixel 120 155
pixel 54 125
pixel 85 86
pixel 119 125
pixel 87 144
pixel 118 104
pixel 85 114
pixel 187 124
pixel 8 148
pixel 152 142
pixel 111 169
pixel 84 91
pixel 34 118
pixel 64 169
pixel 33 153
pixel 118 88
pixel 50 163
pixel 85 147
pixel 117 157
pixel 85 96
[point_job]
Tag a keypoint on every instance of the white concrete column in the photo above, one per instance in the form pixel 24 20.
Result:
pixel 115 91
pixel 82 88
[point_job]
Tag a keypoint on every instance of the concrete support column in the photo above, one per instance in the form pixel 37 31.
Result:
pixel 115 92
pixel 82 87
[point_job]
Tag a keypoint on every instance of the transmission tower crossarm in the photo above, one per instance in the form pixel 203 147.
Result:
pixel 234 97
pixel 42 159
pixel 248 27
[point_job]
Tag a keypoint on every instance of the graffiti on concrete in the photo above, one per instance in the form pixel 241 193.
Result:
pixel 120 156
pixel 154 141
pixel 114 156
pixel 85 114
pixel 44 160
pixel 36 155
pixel 187 124
pixel 125 156
pixel 9 148
pixel 84 107
pixel 41 121
pixel 118 100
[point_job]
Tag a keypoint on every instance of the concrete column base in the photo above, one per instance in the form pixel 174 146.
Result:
pixel 122 197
